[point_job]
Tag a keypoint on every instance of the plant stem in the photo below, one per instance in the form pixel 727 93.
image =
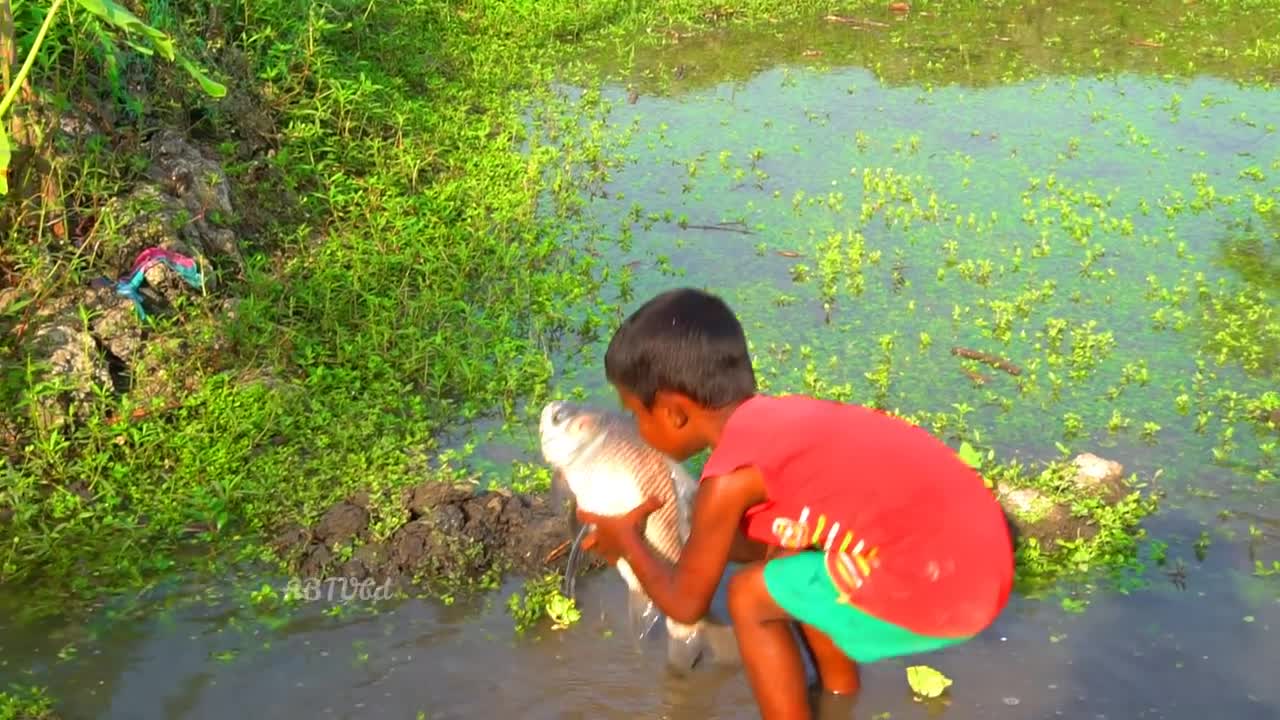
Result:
pixel 31 58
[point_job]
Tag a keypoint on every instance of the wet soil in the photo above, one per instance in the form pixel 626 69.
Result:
pixel 449 537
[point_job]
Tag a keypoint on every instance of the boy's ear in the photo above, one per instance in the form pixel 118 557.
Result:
pixel 676 408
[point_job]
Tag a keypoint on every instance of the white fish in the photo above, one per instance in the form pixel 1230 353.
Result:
pixel 603 466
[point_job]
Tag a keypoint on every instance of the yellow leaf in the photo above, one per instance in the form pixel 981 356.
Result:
pixel 927 682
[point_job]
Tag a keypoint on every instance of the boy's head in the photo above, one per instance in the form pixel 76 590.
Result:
pixel 676 363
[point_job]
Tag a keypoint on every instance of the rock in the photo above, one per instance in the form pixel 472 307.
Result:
pixel 115 323
pixel 200 186
pixel 1101 477
pixel 1026 504
pixel 73 360
pixel 342 523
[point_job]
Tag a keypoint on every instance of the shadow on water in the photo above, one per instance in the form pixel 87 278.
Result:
pixel 952 206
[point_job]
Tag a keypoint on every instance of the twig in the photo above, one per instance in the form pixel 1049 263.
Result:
pixel 555 554
pixel 863 23
pixel 992 360
pixel 723 227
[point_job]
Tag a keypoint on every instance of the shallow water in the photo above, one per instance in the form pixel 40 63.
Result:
pixel 854 128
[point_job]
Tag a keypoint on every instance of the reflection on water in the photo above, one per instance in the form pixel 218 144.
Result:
pixel 967 200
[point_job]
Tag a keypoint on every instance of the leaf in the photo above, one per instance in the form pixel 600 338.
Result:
pixel 210 86
pixel 4 161
pixel 971 456
pixel 120 17
pixel 927 682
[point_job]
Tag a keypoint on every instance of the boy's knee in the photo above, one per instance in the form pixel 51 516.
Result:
pixel 744 592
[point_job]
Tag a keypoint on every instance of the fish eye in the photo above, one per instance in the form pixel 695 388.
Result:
pixel 560 415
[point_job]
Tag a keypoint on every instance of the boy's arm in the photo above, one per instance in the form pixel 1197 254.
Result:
pixel 684 592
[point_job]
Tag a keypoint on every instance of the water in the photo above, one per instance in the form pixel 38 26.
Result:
pixel 1114 190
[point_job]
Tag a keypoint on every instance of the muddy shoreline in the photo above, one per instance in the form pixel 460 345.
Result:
pixel 446 537
pixel 440 536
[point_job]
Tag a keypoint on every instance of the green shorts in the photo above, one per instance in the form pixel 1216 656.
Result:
pixel 801 586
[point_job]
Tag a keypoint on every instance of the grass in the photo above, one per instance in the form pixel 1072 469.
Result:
pixel 417 282
pixel 26 703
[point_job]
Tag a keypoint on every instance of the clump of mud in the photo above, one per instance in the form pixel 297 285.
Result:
pixel 441 535
pixel 1047 517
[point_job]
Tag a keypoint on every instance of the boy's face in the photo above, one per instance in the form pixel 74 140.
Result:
pixel 669 426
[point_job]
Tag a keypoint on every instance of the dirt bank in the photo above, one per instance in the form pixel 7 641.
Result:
pixel 448 537
pixel 443 536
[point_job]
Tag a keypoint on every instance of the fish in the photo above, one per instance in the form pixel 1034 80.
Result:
pixel 601 464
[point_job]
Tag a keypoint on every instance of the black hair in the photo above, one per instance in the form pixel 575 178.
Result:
pixel 683 340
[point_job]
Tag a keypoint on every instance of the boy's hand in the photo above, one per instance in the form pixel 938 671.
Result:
pixel 614 533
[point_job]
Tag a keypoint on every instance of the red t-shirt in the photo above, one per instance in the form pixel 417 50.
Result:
pixel 911 533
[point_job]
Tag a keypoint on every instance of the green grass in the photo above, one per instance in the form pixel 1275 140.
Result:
pixel 418 283
pixel 26 703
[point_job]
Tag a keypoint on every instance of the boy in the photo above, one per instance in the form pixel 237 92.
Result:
pixel 865 530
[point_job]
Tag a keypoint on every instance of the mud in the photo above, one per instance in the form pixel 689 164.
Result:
pixel 1036 513
pixel 445 538
pixel 450 537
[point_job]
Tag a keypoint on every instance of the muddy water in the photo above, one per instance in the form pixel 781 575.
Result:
pixel 1029 179
pixel 1206 651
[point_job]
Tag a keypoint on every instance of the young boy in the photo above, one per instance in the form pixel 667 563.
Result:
pixel 865 530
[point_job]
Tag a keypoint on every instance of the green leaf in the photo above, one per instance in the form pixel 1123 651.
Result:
pixel 927 682
pixel 971 456
pixel 213 88
pixel 4 161
pixel 120 17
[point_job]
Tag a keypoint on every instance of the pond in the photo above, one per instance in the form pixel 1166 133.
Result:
pixel 1114 235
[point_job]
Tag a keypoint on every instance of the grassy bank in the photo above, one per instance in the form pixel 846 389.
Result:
pixel 400 274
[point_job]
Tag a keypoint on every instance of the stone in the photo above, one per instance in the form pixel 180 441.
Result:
pixel 73 359
pixel 1099 476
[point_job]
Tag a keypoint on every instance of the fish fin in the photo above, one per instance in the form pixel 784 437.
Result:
pixel 685 645
pixel 569 585
pixel 563 501
pixel 642 613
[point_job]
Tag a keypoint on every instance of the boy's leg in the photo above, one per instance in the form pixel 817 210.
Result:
pixel 837 671
pixel 769 651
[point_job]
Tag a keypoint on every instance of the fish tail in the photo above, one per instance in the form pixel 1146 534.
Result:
pixel 685 645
